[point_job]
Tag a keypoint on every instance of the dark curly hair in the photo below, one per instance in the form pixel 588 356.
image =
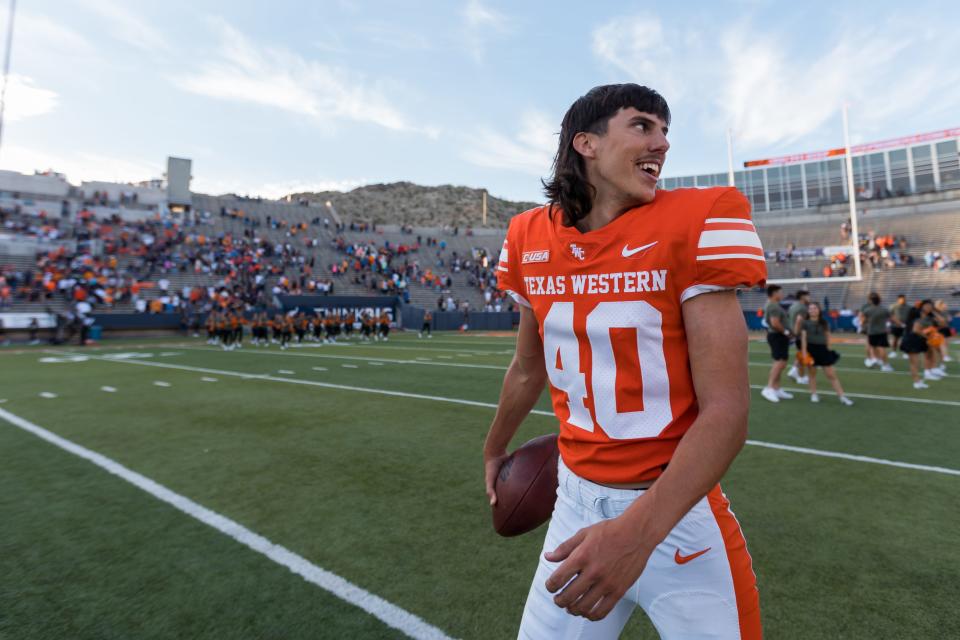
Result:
pixel 568 187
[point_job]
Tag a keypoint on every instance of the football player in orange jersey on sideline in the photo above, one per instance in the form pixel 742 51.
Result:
pixel 629 311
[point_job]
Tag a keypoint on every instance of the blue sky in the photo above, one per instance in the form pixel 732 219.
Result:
pixel 268 98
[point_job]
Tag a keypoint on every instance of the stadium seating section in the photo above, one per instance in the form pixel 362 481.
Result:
pixel 431 263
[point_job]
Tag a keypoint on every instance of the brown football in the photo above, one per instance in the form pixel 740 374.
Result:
pixel 526 487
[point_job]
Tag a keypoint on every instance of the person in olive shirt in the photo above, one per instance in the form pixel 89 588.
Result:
pixel 796 313
pixel 815 344
pixel 898 322
pixel 873 322
pixel 778 337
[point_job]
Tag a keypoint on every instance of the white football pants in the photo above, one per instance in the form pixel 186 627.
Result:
pixel 697 584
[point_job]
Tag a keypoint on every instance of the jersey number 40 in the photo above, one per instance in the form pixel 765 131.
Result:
pixel 561 347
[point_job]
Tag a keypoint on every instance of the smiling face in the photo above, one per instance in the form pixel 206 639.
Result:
pixel 625 162
pixel 814 311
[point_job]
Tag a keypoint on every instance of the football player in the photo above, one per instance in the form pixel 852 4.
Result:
pixel 628 310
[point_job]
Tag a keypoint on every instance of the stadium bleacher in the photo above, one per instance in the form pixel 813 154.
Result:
pixel 302 247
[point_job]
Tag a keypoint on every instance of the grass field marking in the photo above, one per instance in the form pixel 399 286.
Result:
pixel 161 383
pixel 850 456
pixel 869 396
pixel 313 383
pixel 208 379
pixel 369 359
pixel 376 364
pixel 349 366
pixel 286 372
pixel 48 395
pixel 753 363
pixel 108 389
pixel 390 614
pixel 490 405
pixel 319 368
pixel 503 368
pixel 866 396
pixel 413 347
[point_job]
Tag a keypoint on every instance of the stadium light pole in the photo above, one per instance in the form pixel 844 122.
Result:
pixel 851 196
pixel 6 65
pixel 730 157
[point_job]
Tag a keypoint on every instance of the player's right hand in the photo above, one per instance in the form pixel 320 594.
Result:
pixel 491 468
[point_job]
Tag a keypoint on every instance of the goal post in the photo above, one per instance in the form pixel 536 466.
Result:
pixel 854 247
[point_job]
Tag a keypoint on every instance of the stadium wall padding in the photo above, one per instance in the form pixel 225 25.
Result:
pixel 357 304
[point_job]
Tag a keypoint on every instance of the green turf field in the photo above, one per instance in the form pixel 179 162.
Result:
pixel 303 448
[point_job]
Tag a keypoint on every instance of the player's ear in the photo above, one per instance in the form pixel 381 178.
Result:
pixel 585 144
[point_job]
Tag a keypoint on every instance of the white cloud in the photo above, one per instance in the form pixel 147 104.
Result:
pixel 242 71
pixel 529 150
pixel 636 47
pixel 775 87
pixel 25 99
pixel 36 35
pixel 125 25
pixel 480 23
pixel 79 166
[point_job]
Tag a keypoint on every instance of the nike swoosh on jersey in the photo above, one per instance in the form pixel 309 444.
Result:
pixel 627 251
pixel 685 559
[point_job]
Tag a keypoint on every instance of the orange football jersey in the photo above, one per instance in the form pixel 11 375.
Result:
pixel 608 303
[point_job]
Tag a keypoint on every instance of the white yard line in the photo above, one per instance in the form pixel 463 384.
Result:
pixel 390 614
pixel 413 347
pixel 109 389
pixel 869 396
pixel 161 383
pixel 48 395
pixel 207 379
pixel 490 405
pixel 370 359
pixel 849 456
pixel 753 363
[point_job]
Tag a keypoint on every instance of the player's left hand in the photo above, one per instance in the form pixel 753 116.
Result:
pixel 600 563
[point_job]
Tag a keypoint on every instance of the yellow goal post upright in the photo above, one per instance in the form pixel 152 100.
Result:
pixel 854 248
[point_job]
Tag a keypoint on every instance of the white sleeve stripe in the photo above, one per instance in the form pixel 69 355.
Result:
pixel 728 221
pixel 520 299
pixel 697 289
pixel 725 256
pixel 500 267
pixel 728 238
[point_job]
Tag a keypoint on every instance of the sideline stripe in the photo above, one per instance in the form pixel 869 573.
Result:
pixel 850 456
pixel 490 405
pixel 388 613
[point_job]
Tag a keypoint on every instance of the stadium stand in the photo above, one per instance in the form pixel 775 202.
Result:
pixel 118 250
